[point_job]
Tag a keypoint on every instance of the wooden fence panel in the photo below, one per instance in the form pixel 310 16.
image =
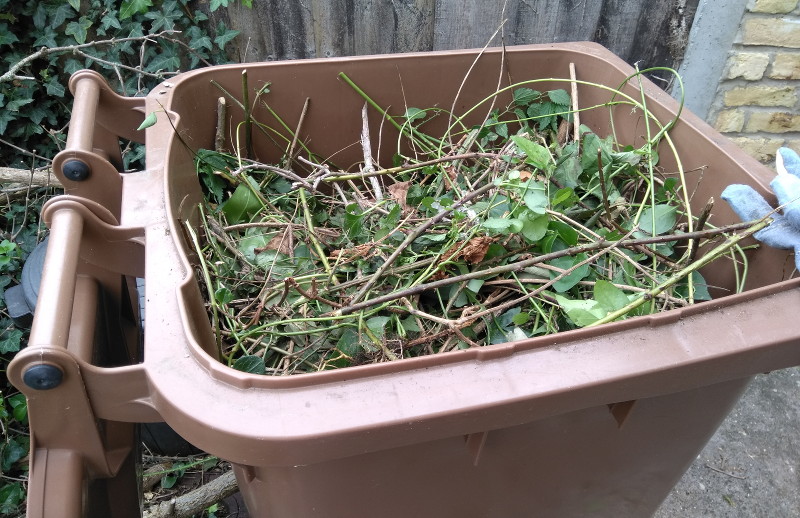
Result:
pixel 651 32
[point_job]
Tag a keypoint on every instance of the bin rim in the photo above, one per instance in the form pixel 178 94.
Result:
pixel 281 421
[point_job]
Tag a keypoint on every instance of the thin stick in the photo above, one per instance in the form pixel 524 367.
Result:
pixel 701 222
pixel 290 154
pixel 688 270
pixel 367 149
pixel 339 176
pixel 576 114
pixel 219 136
pixel 248 121
pixel 520 265
pixel 412 236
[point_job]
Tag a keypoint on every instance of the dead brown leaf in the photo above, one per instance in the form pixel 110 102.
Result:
pixel 399 192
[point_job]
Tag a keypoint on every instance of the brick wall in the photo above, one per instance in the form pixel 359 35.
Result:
pixel 758 100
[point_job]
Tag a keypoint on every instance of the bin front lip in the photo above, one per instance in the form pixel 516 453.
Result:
pixel 307 419
pixel 331 418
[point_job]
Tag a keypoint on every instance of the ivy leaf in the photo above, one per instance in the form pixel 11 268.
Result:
pixel 581 312
pixel 16 104
pixel 538 156
pixel 413 114
pixel 377 325
pixel 216 4
pixel 62 13
pixel 503 226
pixel 131 7
pixel 109 20
pixel 250 363
pixel 7 37
pixel 534 227
pixel 76 4
pixel 19 407
pixel 54 88
pixel 566 282
pixel 224 35
pixel 591 144
pixel 11 497
pixel 658 219
pixel 79 30
pixel 10 341
pixel 535 197
pixel 609 296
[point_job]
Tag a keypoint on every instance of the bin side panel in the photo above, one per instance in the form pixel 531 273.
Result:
pixel 578 464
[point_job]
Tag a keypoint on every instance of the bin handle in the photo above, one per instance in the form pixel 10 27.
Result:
pixel 90 163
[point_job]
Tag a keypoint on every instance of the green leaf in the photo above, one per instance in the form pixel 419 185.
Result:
pixel 568 171
pixel 224 36
pixel 566 282
pixel 251 363
pixel 11 497
pixel 148 121
pixel 591 144
pixel 223 295
pixel 560 97
pixel 12 452
pixel 216 4
pixel 537 155
pixel 609 296
pixel 10 341
pixel 413 114
pixel 55 88
pixel 353 220
pixel 521 319
pixel 534 227
pixel 79 30
pixel 19 407
pixel 525 96
pixel 348 344
pixel 76 4
pixel 241 205
pixel 377 325
pixel 475 285
pixel 503 226
pixel 535 197
pixel 132 7
pixel 7 37
pixel 581 312
pixel 169 480
pixel 658 219
pixel 567 234
pixel 61 14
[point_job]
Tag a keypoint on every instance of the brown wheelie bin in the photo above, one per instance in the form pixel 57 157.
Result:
pixel 595 422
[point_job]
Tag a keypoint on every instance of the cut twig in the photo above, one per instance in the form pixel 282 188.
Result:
pixel 576 113
pixel 197 501
pixel 222 116
pixel 366 147
pixel 520 265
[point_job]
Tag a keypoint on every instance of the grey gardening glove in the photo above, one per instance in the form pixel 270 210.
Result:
pixel 784 231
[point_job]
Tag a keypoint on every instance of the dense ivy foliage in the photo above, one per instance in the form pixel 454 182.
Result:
pixel 34 102
pixel 135 44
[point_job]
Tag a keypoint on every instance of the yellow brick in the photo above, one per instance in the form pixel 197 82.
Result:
pixel 773 122
pixel 729 121
pixel 748 65
pixel 785 66
pixel 774 6
pixel 761 96
pixel 776 32
pixel 761 149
